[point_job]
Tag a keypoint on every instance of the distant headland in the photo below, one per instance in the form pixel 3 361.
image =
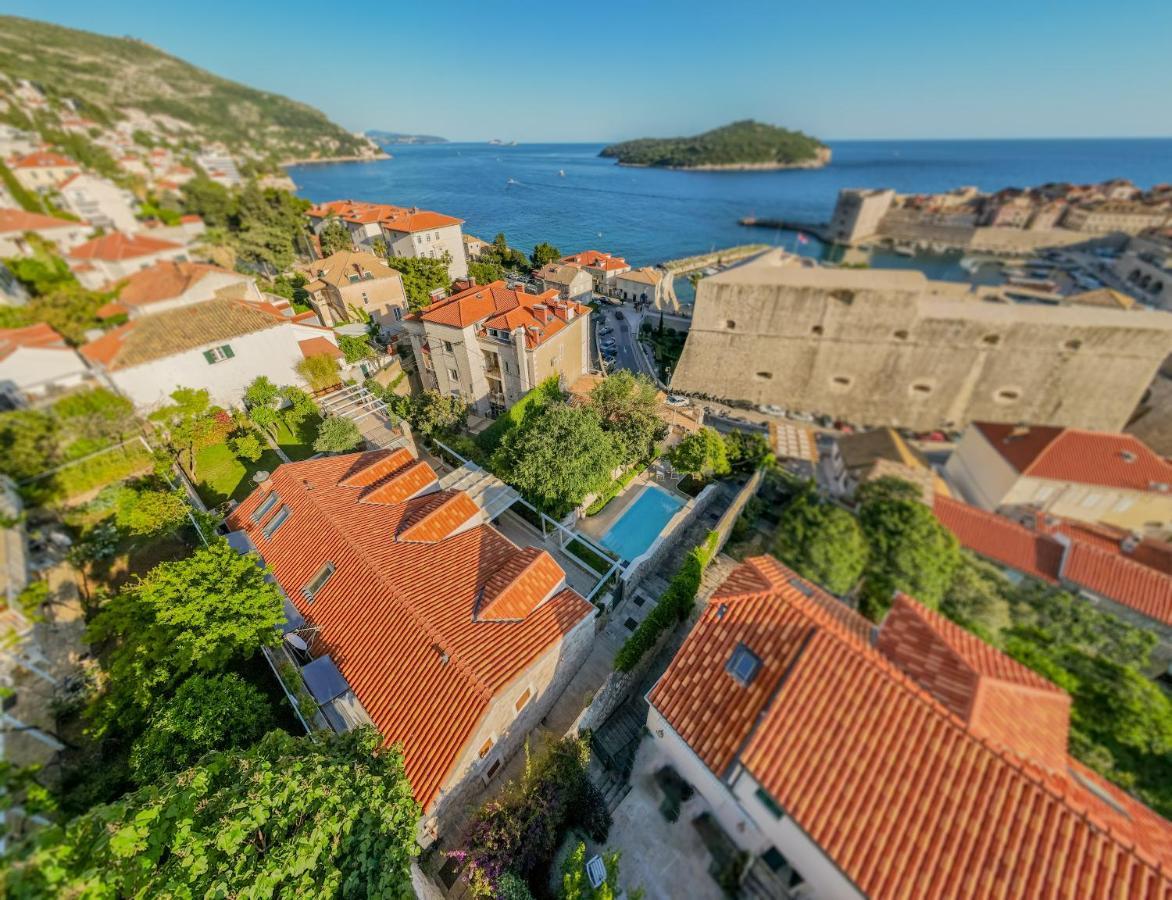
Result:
pixel 395 137
pixel 741 146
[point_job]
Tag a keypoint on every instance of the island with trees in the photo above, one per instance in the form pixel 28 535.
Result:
pixel 745 145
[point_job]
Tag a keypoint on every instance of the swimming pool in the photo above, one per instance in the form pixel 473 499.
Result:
pixel 639 525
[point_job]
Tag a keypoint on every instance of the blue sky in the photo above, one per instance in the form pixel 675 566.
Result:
pixel 608 70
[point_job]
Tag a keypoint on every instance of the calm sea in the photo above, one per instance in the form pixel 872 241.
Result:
pixel 567 195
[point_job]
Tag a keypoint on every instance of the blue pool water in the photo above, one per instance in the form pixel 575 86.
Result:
pixel 639 525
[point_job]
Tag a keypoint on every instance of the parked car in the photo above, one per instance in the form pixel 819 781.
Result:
pixel 618 314
pixel 677 400
pixel 606 330
pixel 771 409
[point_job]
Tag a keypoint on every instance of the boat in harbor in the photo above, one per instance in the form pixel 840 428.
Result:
pixel 904 250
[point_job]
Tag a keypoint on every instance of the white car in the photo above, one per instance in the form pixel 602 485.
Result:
pixel 772 409
pixel 677 400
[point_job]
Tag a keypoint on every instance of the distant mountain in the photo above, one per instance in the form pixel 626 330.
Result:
pixel 394 137
pixel 741 145
pixel 107 76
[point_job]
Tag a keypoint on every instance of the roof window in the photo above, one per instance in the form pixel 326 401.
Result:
pixel 275 522
pixel 801 587
pixel 266 506
pixel 314 587
pixel 743 664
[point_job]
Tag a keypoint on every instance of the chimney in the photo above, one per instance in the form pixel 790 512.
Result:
pixel 542 312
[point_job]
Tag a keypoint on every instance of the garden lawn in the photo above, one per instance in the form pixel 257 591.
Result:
pixel 220 476
pixel 299 445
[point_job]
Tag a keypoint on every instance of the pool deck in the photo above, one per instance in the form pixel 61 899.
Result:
pixel 599 524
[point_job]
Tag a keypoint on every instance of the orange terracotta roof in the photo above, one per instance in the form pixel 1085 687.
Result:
pixel 164 280
pixel 596 259
pixel 438 516
pixel 894 787
pixel 397 615
pixel 18 220
pixel 520 585
pixel 1083 457
pixel 1000 539
pixel 401 485
pixel 393 218
pixel 1118 578
pixel 43 159
pixel 498 306
pixel 41 336
pixel 117 246
pixel 317 346
pixel 1150 552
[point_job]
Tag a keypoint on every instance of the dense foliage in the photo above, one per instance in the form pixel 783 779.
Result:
pixel 519 831
pixel 337 434
pixel 628 407
pixel 547 392
pixel 320 371
pixel 289 817
pixel 265 228
pixel 212 712
pixel 821 542
pixel 190 423
pixel 739 143
pixel 671 609
pixel 192 615
pixel 433 414
pixel 558 455
pixel 909 550
pixel 422 276
pixel 55 296
pixel 334 237
pixel 543 254
pixel 702 452
pixel 110 74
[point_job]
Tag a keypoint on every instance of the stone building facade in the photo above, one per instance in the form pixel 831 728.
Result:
pixel 893 348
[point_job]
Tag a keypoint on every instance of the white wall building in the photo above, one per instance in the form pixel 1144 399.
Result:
pixel 34 361
pixel 15 224
pixel 99 201
pixel 116 255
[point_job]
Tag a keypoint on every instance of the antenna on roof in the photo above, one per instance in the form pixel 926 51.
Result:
pixel 442 654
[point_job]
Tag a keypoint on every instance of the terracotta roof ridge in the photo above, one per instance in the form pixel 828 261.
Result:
pixel 1028 768
pixel 434 634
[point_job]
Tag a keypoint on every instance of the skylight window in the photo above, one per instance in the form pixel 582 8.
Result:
pixel 275 522
pixel 743 664
pixel 314 587
pixel 266 506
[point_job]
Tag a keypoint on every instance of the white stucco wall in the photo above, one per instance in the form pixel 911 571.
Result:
pixel 34 369
pixel 100 202
pixel 431 243
pixel 979 472
pixel 273 352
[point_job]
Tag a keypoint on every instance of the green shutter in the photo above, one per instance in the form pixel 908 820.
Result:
pixel 207 354
pixel 227 351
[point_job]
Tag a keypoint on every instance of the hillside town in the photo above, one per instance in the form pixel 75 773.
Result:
pixel 347 553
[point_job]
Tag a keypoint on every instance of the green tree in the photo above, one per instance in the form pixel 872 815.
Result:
pixel 28 443
pixel 433 413
pixel 98 414
pixel 209 200
pixel 485 271
pixel 289 817
pixel 543 254
pixel 190 424
pixel 557 456
pixel 576 885
pixel 700 453
pixel 197 614
pixel 355 347
pixel 746 450
pixel 298 408
pixel 336 434
pixel 147 512
pixel 335 237
pixel 261 398
pixel 421 277
pixel 320 371
pixel 978 598
pixel 247 446
pixel 212 712
pixel 910 551
pixel 628 406
pixel 821 542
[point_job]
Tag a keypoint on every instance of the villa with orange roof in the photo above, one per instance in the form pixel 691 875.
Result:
pixel 168 285
pixel 116 255
pixel 219 345
pixel 16 223
pixel 34 361
pixel 912 760
pixel 407 231
pixel 43 170
pixel 1089 476
pixel 408 610
pixel 602 267
pixel 491 344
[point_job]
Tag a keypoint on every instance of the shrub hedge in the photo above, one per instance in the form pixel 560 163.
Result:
pixel 614 489
pixel 673 607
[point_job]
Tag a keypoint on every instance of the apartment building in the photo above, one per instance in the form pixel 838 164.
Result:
pixel 35 360
pixel 16 224
pixel 571 282
pixel 43 170
pixel 406 231
pixel 491 344
pixel 646 285
pixel 781 708
pixel 99 201
pixel 353 281
pixel 1088 476
pixel 602 267
pixel 416 615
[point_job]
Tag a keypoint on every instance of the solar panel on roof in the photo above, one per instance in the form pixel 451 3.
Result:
pixel 324 680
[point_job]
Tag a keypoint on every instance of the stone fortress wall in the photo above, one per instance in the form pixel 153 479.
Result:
pixel 877 347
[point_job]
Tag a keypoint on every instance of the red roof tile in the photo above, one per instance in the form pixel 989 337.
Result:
pixel 999 539
pixel 520 585
pixel 1118 578
pixel 319 346
pixel 118 246
pixel 397 616
pixel 1150 552
pixel 41 336
pixel 43 159
pixel 1083 457
pixel 393 218
pixel 894 787
pixel 596 259
pixel 164 280
pixel 400 486
pixel 498 306
pixel 12 220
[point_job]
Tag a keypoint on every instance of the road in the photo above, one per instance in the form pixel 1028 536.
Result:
pixel 627 354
